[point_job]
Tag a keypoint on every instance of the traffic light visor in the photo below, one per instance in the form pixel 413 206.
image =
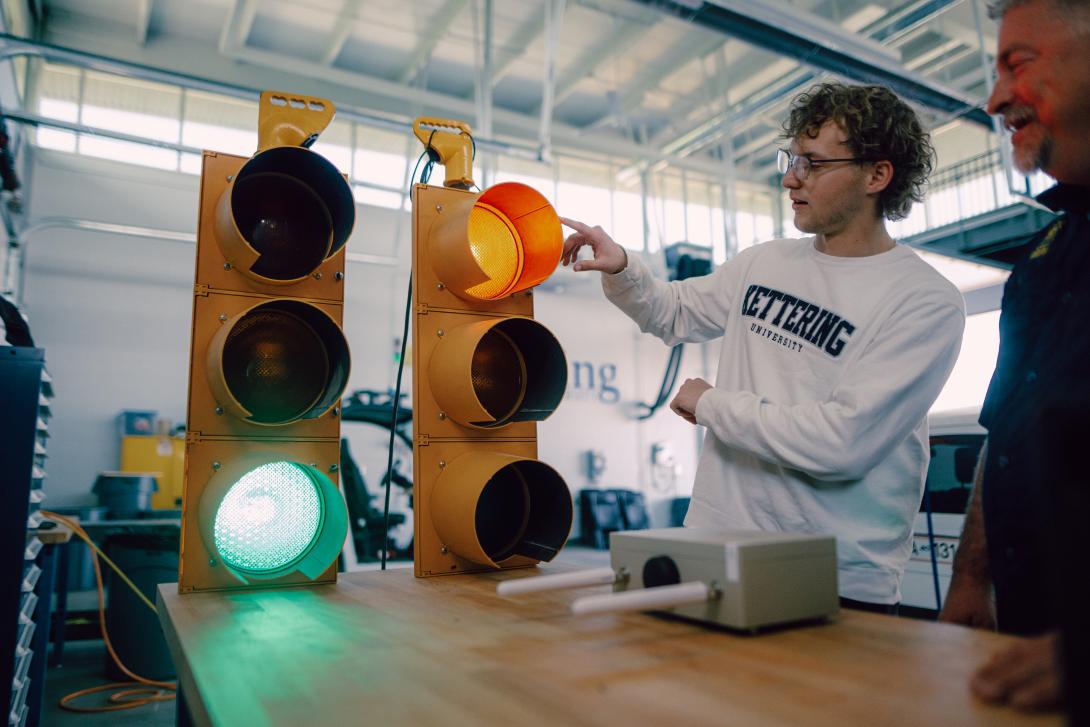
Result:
pixel 278 362
pixel 489 507
pixel 503 241
pixel 515 367
pixel 274 518
pixel 286 211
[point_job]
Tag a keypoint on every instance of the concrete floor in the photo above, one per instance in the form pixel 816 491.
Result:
pixel 82 668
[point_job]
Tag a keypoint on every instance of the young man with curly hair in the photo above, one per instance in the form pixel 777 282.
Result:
pixel 833 346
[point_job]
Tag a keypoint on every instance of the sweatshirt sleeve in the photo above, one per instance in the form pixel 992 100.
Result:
pixel 691 311
pixel 882 397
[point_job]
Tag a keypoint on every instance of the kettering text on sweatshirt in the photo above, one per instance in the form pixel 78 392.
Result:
pixel 818 419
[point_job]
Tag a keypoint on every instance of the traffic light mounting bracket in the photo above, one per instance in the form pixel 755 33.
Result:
pixel 449 143
pixel 291 119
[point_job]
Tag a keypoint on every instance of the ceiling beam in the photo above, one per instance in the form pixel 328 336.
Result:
pixel 509 52
pixel 624 34
pixel 823 45
pixel 342 30
pixel 893 28
pixel 240 20
pixel 144 10
pixel 438 25
pixel 693 45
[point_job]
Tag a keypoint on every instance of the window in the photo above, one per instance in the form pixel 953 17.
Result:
pixel 968 383
pixel 219 123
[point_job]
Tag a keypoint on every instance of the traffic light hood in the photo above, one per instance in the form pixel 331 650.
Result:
pixel 489 507
pixel 502 241
pixel 516 369
pixel 286 211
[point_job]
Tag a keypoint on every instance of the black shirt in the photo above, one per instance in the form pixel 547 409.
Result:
pixel 1044 359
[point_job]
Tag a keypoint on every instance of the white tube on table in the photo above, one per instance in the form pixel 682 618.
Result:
pixel 643 599
pixel 557 581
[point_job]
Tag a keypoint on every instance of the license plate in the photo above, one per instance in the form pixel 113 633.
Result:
pixel 945 548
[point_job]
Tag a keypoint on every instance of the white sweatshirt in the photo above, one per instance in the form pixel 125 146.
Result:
pixel 818 419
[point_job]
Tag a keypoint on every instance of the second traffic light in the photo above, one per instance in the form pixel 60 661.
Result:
pixel 484 371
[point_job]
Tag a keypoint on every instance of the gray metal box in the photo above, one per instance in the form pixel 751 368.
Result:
pixel 764 578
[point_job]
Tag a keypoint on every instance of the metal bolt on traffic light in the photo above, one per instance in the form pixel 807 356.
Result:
pixel 484 371
pixel 268 360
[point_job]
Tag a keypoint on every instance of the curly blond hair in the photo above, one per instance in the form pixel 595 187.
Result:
pixel 879 127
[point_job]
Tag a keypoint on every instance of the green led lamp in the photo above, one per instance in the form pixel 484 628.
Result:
pixel 264 517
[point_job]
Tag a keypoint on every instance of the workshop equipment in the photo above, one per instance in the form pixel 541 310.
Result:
pixel 741 579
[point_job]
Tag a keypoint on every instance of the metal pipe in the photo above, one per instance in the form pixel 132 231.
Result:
pixel 554 16
pixel 576 144
pixel 155 233
pixel 17 47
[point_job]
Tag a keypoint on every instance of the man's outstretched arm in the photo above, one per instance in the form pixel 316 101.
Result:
pixel 969 600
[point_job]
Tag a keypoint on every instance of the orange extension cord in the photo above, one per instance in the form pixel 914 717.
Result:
pixel 140 690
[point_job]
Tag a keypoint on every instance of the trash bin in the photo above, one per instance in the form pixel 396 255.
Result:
pixel 125 494
pixel 148 559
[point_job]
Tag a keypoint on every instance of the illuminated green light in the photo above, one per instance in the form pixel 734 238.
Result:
pixel 269 518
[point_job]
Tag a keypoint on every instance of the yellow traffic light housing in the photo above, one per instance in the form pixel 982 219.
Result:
pixel 484 372
pixel 268 362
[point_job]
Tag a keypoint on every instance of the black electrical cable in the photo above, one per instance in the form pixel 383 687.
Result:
pixel 393 425
pixel 425 176
pixel 669 381
pixel 931 543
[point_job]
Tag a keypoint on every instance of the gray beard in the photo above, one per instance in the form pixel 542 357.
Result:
pixel 1041 159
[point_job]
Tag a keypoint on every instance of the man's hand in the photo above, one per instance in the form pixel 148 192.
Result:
pixel 609 257
pixel 969 603
pixel 1027 675
pixel 684 404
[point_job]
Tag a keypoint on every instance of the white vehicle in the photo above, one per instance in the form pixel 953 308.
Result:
pixel 956 439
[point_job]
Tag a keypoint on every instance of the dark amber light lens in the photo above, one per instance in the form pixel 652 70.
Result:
pixel 499 374
pixel 282 361
pixel 275 365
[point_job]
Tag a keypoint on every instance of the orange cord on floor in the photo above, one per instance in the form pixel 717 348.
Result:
pixel 140 690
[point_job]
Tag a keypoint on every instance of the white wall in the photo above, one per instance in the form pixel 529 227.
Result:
pixel 113 313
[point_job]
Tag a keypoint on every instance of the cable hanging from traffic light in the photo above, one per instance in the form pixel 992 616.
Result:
pixel 433 157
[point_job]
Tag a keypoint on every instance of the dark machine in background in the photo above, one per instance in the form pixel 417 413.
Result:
pixel 366 521
pixel 607 511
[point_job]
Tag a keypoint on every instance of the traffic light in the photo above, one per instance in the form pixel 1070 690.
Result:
pixel 484 371
pixel 268 360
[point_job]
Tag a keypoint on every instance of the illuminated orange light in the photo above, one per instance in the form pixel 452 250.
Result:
pixel 514 238
pixel 498 250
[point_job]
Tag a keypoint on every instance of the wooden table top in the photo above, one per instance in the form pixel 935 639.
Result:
pixel 385 648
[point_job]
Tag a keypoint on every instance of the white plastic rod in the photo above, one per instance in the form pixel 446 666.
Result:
pixel 557 581
pixel 643 599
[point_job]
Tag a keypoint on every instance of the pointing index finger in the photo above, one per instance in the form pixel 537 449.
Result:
pixel 575 225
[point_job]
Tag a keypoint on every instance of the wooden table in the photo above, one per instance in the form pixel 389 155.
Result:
pixel 385 648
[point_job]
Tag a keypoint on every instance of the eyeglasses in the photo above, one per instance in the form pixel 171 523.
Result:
pixel 802 165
